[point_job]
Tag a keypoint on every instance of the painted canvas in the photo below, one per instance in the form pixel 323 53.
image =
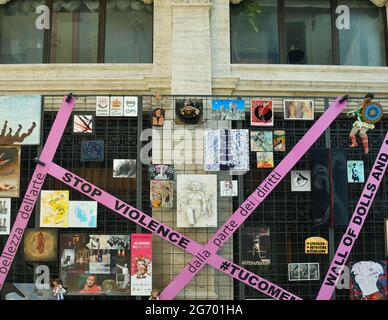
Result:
pixel 5 216
pixel 226 150
pixel 261 113
pixel 92 150
pixel 54 209
pixel 83 123
pixel 261 141
pixel 256 244
pixel 40 245
pixel 228 109
pixel 102 106
pixel 228 188
pixel 355 171
pixel 300 180
pixel 161 193
pixel 298 109
pixel 368 280
pixel 188 111
pixel 10 171
pixel 264 160
pixel 279 140
pixel 20 120
pixel 161 172
pixel 124 168
pixel 196 201
pixel 83 214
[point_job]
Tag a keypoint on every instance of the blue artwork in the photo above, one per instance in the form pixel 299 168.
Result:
pixel 92 150
pixel 228 109
pixel 83 214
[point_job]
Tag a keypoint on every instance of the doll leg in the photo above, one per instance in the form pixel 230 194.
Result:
pixel 364 139
pixel 352 136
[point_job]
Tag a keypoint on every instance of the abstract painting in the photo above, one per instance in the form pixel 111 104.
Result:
pixel 261 141
pixel 279 140
pixel 161 193
pixel 300 180
pixel 54 209
pixel 264 160
pixel 83 214
pixel 261 113
pixel 40 245
pixel 92 150
pixel 83 123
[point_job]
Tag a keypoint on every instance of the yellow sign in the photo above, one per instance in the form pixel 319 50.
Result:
pixel 316 245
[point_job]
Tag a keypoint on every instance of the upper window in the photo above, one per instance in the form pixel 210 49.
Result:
pixel 20 40
pixel 304 32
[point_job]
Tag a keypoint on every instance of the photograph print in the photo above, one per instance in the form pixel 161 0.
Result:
pixel 124 168
pixel 228 109
pixel 300 180
pixel 298 109
pixel 5 216
pixel 261 113
pixel 303 271
pixel 355 171
pixel 256 244
pixel 10 171
pixel 21 120
pixel 188 111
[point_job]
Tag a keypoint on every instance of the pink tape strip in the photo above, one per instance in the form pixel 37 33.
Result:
pixel 33 189
pixel 253 201
pixel 355 225
pixel 168 234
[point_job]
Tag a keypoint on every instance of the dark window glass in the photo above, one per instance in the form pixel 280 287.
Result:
pixel 363 44
pixel 20 40
pixel 74 31
pixel 254 31
pixel 308 32
pixel 128 35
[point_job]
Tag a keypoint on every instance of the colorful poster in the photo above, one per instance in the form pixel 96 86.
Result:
pixel 303 271
pixel 161 193
pixel 279 140
pixel 5 216
pixel 124 168
pixel 54 209
pixel 116 106
pixel 40 245
pixel 228 109
pixel 355 171
pixel 188 111
pixel 83 214
pixel 228 188
pixel 300 180
pixel 264 160
pixel 130 106
pixel 226 150
pixel 261 141
pixel 298 109
pixel 161 172
pixel 368 280
pixel 316 245
pixel 10 171
pixel 256 244
pixel 92 150
pixel 21 116
pixel 102 106
pixel 83 123
pixel 197 201
pixel 141 264
pixel 261 113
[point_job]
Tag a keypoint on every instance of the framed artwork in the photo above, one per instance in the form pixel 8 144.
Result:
pixel 158 117
pixel 102 106
pixel 161 193
pixel 83 123
pixel 368 280
pixel 303 271
pixel 83 214
pixel 130 106
pixel 226 150
pixel 261 113
pixel 279 140
pixel 161 172
pixel 196 201
pixel 256 244
pixel 116 106
pixel 264 160
pixel 300 180
pixel 10 171
pixel 5 216
pixel 261 141
pixel 124 168
pixel 188 111
pixel 92 150
pixel 54 209
pixel 355 171
pixel 40 245
pixel 298 109
pixel 21 116
pixel 228 109
pixel 228 188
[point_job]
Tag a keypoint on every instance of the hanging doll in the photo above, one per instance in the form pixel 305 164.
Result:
pixel 366 115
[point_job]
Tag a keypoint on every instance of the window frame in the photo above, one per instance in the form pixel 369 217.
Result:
pixel 334 31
